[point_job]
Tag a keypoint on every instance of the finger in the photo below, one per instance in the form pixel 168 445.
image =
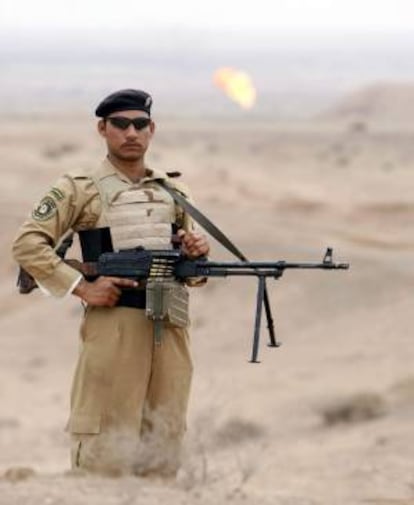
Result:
pixel 181 233
pixel 200 242
pixel 204 248
pixel 194 251
pixel 189 240
pixel 189 235
pixel 194 236
pixel 184 235
pixel 188 247
pixel 111 302
pixel 124 283
pixel 114 292
pixel 198 252
pixel 113 296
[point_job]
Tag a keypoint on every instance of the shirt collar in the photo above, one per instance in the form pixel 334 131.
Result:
pixel 109 169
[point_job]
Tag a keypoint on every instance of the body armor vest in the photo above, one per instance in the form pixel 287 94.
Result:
pixel 138 214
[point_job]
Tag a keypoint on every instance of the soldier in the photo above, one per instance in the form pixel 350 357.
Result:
pixel 129 395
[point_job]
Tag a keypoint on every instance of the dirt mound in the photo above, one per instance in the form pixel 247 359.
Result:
pixel 386 102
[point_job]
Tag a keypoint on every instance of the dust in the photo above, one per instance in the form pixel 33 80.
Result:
pixel 155 451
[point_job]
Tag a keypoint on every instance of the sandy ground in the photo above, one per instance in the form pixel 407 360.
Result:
pixel 325 419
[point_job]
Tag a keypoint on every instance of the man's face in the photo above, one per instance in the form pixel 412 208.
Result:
pixel 130 143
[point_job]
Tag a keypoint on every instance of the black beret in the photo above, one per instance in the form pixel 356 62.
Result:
pixel 125 99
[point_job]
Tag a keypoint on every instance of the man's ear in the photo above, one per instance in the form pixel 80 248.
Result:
pixel 152 127
pixel 101 127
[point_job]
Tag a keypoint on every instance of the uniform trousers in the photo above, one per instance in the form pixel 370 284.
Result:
pixel 129 395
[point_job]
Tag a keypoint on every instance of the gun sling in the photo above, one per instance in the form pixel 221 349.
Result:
pixel 212 229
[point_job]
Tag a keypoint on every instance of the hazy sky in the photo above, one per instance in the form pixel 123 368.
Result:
pixel 282 15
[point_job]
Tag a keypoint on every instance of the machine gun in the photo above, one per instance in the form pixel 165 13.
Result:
pixel 163 265
pixel 159 267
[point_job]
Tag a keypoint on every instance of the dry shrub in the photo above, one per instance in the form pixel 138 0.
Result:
pixel 357 408
pixel 212 147
pixel 358 127
pixel 236 431
pixel 299 203
pixel 343 161
pixel 403 391
pixel 390 501
pixel 17 474
pixel 9 423
pixel 60 150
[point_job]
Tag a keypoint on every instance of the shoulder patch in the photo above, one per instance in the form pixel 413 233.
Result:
pixel 57 193
pixel 45 210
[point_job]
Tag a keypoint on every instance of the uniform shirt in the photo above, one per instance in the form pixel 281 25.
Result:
pixel 72 204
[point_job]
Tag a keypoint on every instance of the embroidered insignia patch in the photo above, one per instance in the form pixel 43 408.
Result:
pixel 57 193
pixel 45 210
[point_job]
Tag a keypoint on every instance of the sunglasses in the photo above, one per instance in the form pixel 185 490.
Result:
pixel 122 123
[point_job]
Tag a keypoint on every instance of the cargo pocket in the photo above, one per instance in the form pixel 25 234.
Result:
pixel 84 431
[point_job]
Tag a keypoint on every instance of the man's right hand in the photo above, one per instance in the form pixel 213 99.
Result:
pixel 104 291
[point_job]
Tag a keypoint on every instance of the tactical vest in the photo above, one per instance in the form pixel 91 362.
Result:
pixel 138 214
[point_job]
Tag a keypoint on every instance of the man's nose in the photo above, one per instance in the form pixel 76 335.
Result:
pixel 131 131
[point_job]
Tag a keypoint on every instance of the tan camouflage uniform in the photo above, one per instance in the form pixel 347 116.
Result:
pixel 125 387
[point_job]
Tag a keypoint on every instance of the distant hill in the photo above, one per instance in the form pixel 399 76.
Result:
pixel 388 102
pixel 296 75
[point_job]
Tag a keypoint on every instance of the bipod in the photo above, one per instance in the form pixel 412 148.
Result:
pixel 262 299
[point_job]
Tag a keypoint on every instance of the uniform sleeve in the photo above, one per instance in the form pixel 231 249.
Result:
pixel 68 205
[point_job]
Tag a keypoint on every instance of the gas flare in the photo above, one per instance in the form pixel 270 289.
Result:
pixel 237 85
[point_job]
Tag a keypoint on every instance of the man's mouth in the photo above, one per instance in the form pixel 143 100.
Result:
pixel 131 146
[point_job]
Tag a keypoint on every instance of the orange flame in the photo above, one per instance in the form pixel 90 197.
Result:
pixel 237 85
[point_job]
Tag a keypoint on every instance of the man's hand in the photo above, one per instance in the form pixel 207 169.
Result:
pixel 193 245
pixel 104 292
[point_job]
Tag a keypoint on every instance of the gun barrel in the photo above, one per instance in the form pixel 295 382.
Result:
pixel 244 268
pixel 271 266
pixel 225 272
pixel 325 265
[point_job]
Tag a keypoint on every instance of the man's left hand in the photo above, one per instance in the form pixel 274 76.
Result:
pixel 193 244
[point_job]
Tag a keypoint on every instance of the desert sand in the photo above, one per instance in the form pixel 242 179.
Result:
pixel 327 418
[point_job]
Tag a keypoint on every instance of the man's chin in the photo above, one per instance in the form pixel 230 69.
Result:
pixel 129 157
